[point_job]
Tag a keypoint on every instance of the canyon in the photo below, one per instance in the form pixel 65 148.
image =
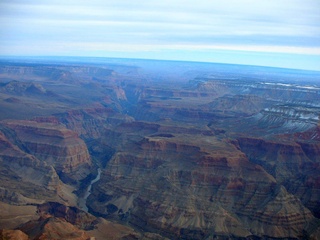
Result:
pixel 145 149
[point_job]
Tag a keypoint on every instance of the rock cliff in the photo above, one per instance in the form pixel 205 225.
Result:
pixel 26 176
pixel 196 189
pixel 91 123
pixel 55 145
pixel 240 104
pixel 293 164
pixel 186 150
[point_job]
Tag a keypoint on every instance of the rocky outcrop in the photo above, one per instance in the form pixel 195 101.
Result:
pixel 196 189
pixel 72 215
pixel 57 221
pixel 54 145
pixel 53 228
pixel 13 235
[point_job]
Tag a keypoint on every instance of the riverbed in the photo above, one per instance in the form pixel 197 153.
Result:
pixel 82 200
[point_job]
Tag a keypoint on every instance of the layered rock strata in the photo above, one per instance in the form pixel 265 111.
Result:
pixel 55 145
pixel 25 177
pixel 295 163
pixel 196 189
pixel 58 221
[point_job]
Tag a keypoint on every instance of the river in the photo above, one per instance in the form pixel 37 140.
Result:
pixel 82 200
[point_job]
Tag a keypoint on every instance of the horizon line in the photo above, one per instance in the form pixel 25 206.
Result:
pixel 155 59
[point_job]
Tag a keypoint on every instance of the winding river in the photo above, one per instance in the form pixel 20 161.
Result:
pixel 82 200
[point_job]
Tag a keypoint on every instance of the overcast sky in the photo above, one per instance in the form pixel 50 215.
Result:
pixel 283 33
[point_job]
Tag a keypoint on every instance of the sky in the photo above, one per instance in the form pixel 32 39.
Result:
pixel 279 33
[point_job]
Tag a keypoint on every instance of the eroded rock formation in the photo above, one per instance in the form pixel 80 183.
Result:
pixel 294 163
pixel 25 175
pixel 226 152
pixel 55 145
pixel 196 190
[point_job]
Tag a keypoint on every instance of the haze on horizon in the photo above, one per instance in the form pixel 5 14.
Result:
pixel 274 33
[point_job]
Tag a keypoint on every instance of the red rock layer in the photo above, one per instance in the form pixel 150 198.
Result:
pixel 53 228
pixel 191 188
pixel 55 145
pixel 32 172
pixel 296 165
pixel 57 221
pixel 13 235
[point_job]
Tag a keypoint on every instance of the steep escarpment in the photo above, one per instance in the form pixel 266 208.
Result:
pixel 55 72
pixel 241 104
pixel 32 71
pixel 26 177
pixel 268 123
pixel 196 189
pixel 286 91
pixel 55 145
pixel 289 118
pixel 293 164
pixel 90 123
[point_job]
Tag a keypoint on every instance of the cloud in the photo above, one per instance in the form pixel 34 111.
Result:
pixel 239 25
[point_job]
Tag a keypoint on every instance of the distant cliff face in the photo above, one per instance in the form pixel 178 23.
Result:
pixel 295 164
pixel 90 123
pixel 53 73
pixel 55 145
